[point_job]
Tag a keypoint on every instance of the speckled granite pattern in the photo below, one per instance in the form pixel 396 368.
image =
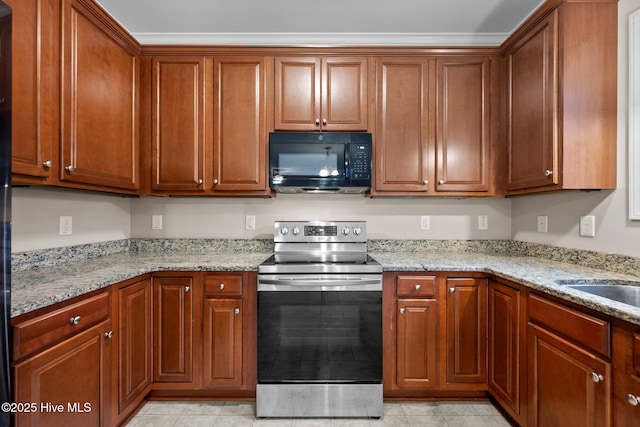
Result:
pixel 536 266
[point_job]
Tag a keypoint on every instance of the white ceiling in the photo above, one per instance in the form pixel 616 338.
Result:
pixel 328 22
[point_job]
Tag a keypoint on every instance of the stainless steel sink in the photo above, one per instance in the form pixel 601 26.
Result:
pixel 624 292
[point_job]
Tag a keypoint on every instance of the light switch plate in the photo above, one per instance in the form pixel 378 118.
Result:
pixel 425 222
pixel 588 226
pixel 543 223
pixel 156 222
pixel 66 225
pixel 483 222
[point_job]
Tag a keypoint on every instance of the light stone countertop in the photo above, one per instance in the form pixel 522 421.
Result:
pixel 39 287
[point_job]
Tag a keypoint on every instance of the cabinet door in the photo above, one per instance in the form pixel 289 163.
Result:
pixel 532 81
pixel 463 124
pixel 416 343
pixel 178 123
pixel 567 385
pixel 344 94
pixel 134 342
pixel 404 139
pixel 505 350
pixel 99 144
pixel 466 324
pixel 626 382
pixel 173 329
pixel 69 382
pixel 222 355
pixel 297 93
pixel 240 124
pixel 33 51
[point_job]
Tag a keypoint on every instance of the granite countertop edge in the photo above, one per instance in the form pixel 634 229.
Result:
pixel 41 287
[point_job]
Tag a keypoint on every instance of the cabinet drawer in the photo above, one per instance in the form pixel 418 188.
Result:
pixel 416 286
pixel 49 328
pixel 223 285
pixel 588 331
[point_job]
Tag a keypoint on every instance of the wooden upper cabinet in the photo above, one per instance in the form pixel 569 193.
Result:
pixel 463 125
pixel 404 131
pixel 34 108
pixel 178 123
pixel 99 135
pixel 328 93
pixel 241 114
pixel 561 100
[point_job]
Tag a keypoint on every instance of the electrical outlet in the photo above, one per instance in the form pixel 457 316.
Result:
pixel 66 225
pixel 425 222
pixel 250 222
pixel 588 226
pixel 543 223
pixel 156 222
pixel 483 222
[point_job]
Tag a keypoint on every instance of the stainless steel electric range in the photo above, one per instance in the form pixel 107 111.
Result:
pixel 320 323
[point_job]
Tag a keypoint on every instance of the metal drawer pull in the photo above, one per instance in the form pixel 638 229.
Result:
pixel 596 378
pixel 221 286
pixel 109 334
pixel 633 400
pixel 75 320
pixel 402 310
pixel 236 311
pixel 418 287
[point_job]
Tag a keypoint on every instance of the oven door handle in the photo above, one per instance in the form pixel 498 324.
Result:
pixel 307 284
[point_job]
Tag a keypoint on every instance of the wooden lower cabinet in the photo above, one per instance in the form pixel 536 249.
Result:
pixel 466 331
pixel 133 308
pixel 626 377
pixel 69 382
pixel 506 354
pixel 173 329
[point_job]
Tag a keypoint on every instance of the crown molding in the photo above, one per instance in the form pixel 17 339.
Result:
pixel 322 39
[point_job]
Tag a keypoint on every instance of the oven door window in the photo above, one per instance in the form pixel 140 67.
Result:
pixel 309 161
pixel 321 337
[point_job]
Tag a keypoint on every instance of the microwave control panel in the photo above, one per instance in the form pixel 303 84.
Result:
pixel 360 161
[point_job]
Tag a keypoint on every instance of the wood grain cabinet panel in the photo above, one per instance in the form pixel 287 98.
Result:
pixel 561 100
pixel 173 329
pixel 34 53
pixel 466 330
pixel 99 134
pixel 463 143
pixel 626 381
pixel 74 372
pixel 321 93
pixel 134 342
pixel 178 123
pixel 404 126
pixel 223 346
pixel 241 87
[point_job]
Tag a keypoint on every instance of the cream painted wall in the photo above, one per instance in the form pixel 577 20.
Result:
pixel 615 233
pixel 386 218
pixel 96 218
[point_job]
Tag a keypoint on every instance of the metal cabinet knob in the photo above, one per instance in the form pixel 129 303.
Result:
pixel 317 122
pixel 548 172
pixel 187 288
pixel 75 320
pixel 47 164
pixel 324 121
pixel 221 286
pixel 70 168
pixel 633 400
pixel 215 182
pixel 418 287
pixel 402 310
pixel 596 378
pixel 441 182
pixel 452 290
pixel 109 334
pixel 236 311
pixel 425 182
pixel 199 182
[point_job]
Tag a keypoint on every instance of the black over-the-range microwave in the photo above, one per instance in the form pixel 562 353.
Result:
pixel 314 162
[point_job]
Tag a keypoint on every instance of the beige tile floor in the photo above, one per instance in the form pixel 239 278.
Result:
pixel 242 414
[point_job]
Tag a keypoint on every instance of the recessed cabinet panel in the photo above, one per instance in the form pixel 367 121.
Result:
pixel 416 343
pixel 99 143
pixel 297 101
pixel 177 123
pixel 223 347
pixel 403 139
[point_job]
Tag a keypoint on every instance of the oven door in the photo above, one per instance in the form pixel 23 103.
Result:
pixel 323 329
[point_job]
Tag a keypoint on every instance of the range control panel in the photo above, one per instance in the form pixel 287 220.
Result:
pixel 320 231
